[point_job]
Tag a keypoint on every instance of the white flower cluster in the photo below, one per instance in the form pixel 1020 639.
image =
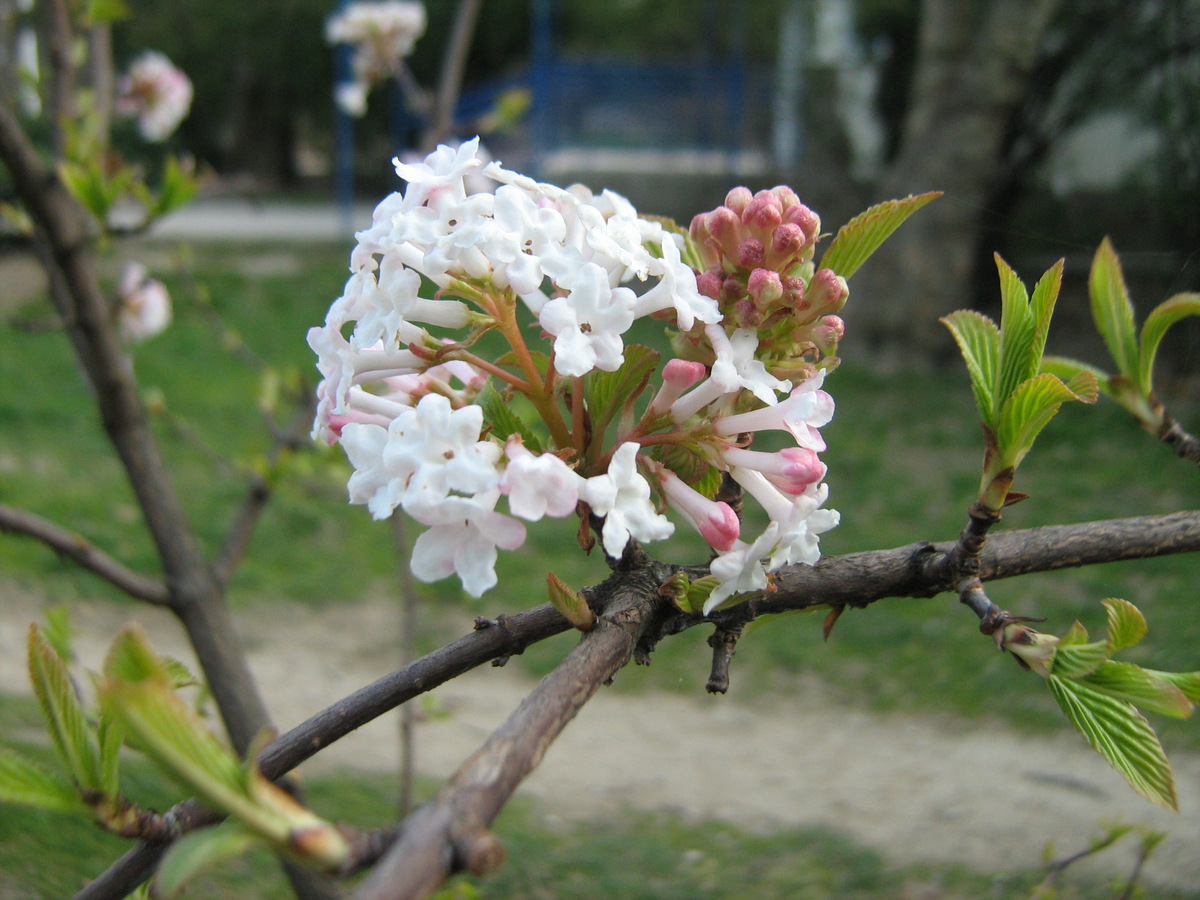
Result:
pixel 381 34
pixel 402 386
pixel 157 93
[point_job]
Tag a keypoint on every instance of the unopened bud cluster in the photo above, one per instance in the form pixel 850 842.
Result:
pixel 757 251
pixel 566 417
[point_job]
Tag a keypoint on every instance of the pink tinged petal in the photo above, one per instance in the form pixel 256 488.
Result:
pixel 678 375
pixel 740 569
pixel 715 520
pixel 792 469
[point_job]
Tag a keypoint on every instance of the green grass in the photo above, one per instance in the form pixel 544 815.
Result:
pixel 904 456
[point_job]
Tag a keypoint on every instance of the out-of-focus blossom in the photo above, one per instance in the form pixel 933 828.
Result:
pixel 157 93
pixel 143 304
pixel 381 35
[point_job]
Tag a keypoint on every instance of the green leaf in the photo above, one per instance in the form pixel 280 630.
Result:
pixel 1075 660
pixel 1125 681
pixel 1019 356
pixel 1160 319
pixel 1029 409
pixel 978 339
pixel 1045 295
pixel 503 420
pixel 1188 682
pixel 1076 634
pixel 137 693
pixel 1068 369
pixel 1126 624
pixel 26 782
pixel 198 851
pixel 1121 735
pixel 178 188
pixel 1111 309
pixel 608 392
pixel 862 235
pixel 112 737
pixel 63 712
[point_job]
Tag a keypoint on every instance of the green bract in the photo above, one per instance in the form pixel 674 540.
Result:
pixel 1015 401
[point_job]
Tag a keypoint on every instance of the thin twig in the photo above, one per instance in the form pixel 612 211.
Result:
pixel 83 552
pixel 450 833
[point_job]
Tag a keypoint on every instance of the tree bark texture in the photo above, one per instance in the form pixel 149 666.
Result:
pixel 973 65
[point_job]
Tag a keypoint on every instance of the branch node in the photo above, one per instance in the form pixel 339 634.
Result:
pixel 723 642
pixel 476 849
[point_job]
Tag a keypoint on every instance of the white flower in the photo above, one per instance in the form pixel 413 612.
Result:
pixel 800 518
pixel 143 304
pixel 158 93
pixel 802 413
pixel 622 497
pixel 434 449
pixel 740 569
pixel 537 484
pixel 735 369
pixel 463 536
pixel 677 288
pixel 588 323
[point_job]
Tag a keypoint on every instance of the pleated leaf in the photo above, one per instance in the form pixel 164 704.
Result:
pixel 1188 682
pixel 1029 409
pixel 1143 689
pixel 198 851
pixel 1121 735
pixel 1111 309
pixel 607 392
pixel 1160 319
pixel 27 782
pixel 1019 357
pixel 1069 369
pixel 499 415
pixel 862 235
pixel 1075 660
pixel 137 694
pixel 978 340
pixel 1126 624
pixel 63 713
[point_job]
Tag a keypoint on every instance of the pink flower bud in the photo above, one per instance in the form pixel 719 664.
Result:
pixel 808 220
pixel 710 282
pixel 764 212
pixel 827 292
pixel 737 199
pixel 678 375
pixel 715 520
pixel 765 287
pixel 793 293
pixel 829 333
pixel 791 470
pixel 750 254
pixel 787 239
pixel 732 289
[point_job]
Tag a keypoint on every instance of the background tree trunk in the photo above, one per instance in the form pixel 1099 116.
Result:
pixel 973 66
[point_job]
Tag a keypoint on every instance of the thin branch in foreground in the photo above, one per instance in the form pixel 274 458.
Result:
pixel 84 553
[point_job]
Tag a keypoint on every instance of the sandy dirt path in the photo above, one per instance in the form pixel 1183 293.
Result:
pixel 916 790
